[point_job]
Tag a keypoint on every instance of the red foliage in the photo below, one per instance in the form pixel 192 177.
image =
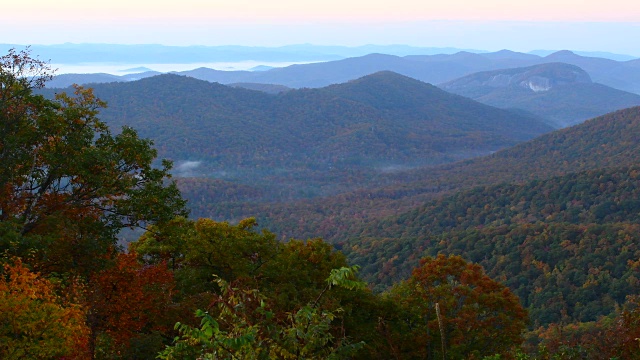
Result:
pixel 129 299
pixel 479 315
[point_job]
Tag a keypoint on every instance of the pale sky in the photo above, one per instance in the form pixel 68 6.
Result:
pixel 522 25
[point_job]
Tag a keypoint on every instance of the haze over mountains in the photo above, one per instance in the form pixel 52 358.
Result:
pixel 70 53
pixel 603 85
pixel 441 68
pixel 153 53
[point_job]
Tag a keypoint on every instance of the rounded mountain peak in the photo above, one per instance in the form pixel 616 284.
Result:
pixel 536 78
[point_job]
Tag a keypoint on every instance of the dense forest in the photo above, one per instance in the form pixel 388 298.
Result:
pixel 573 238
pixel 604 142
pixel 309 142
pixel 537 265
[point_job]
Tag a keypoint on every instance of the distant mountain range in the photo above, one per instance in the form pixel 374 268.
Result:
pixel 560 107
pixel 434 69
pixel 70 53
pixel 599 54
pixel 564 94
pixel 313 139
pixel 162 54
pixel 567 101
pixel 66 80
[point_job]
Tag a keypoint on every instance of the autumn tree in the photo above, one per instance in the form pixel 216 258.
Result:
pixel 451 306
pixel 128 303
pixel 622 338
pixel 68 185
pixel 35 322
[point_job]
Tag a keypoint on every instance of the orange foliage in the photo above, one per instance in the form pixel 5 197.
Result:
pixel 37 322
pixel 479 315
pixel 129 299
pixel 624 336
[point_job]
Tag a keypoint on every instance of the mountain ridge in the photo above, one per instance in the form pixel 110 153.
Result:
pixel 604 142
pixel 300 137
pixel 622 75
pixel 562 93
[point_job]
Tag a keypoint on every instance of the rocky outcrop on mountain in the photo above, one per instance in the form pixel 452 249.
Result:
pixel 560 93
pixel 536 78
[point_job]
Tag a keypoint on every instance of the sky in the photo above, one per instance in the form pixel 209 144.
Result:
pixel 520 25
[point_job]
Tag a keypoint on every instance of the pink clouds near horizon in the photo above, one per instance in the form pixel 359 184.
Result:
pixel 326 11
pixel 488 24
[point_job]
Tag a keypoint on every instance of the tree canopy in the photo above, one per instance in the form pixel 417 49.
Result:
pixel 458 311
pixel 68 185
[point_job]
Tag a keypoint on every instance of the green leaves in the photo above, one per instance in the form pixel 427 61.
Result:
pixel 68 186
pixel 243 327
pixel 346 277
pixel 66 177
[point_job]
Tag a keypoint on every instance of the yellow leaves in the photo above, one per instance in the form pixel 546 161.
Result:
pixel 25 283
pixel 633 264
pixel 42 325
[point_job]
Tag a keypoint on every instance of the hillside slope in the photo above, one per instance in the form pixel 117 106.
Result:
pixel 604 142
pixel 310 142
pixel 566 245
pixel 564 94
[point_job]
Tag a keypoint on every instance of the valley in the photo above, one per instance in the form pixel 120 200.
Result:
pixel 515 177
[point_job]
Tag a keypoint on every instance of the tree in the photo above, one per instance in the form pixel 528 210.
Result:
pixel 196 250
pixel 623 338
pixel 67 184
pixel 288 275
pixel 242 326
pixel 35 323
pixel 453 307
pixel 127 302
pixel 296 275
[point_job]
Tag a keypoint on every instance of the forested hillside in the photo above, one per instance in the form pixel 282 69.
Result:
pixel 566 246
pixel 186 288
pixel 593 199
pixel 603 142
pixel 562 94
pixel 310 142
